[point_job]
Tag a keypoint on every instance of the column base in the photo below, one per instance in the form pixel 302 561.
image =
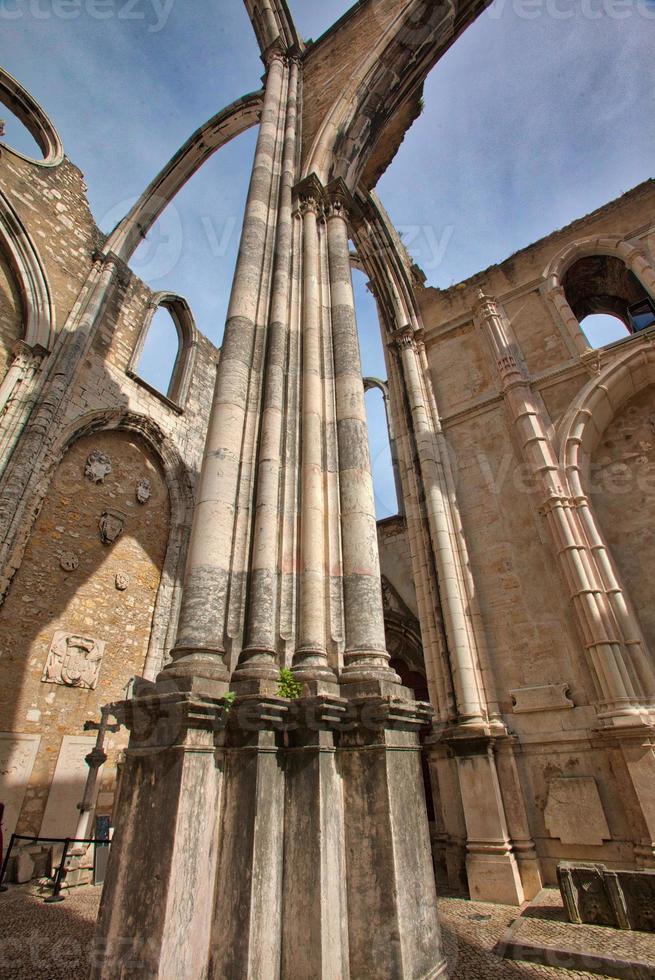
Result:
pixel 196 671
pixel 160 880
pixel 270 838
pixel 493 874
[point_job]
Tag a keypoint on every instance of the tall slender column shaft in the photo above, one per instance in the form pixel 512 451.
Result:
pixel 259 655
pixel 311 657
pixel 365 655
pixel 200 640
pixel 465 669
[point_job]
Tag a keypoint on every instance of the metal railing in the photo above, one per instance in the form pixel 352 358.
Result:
pixel 58 879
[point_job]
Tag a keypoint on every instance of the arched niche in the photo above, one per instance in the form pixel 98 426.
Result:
pixel 173 312
pixel 84 597
pixel 621 487
pixel 600 276
pixel 25 107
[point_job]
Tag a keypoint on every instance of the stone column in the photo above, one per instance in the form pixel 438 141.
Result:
pixel 258 660
pixel 247 905
pixel 200 649
pixel 314 912
pixel 365 656
pixel 459 633
pixel 310 660
pixel 617 683
pixel 157 906
pixel 383 388
pixel 491 866
pixel 17 394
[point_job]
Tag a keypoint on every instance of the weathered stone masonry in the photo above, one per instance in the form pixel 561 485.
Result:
pixel 202 547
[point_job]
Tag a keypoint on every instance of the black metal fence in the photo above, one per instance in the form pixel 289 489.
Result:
pixel 58 879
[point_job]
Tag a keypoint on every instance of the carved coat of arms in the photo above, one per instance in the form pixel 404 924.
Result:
pixel 111 526
pixel 74 660
pixel 143 491
pixel 98 466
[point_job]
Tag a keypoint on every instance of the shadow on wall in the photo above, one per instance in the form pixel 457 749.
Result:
pixel 77 617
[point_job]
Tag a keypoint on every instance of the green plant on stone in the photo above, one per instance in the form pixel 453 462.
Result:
pixel 228 701
pixel 289 687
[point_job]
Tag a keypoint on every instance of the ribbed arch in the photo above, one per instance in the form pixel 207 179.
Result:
pixel 219 130
pixel 25 107
pixel 23 257
pixel 388 83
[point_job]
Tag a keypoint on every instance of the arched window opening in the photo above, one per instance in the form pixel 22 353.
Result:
pixel 163 357
pixel 607 298
pixel 15 135
pixel 160 353
pixel 601 329
pixel 374 367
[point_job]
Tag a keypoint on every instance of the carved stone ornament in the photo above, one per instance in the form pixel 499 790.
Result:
pixel 143 491
pixel 111 526
pixel 98 466
pixel 69 561
pixel 122 581
pixel 74 661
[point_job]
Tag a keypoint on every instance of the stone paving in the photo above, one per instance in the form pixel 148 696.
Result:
pixel 53 942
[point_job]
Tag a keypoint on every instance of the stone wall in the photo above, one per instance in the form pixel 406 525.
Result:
pixel 73 582
pixel 123 597
pixel 547 690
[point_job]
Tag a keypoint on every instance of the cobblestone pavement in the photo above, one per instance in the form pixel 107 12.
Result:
pixel 53 942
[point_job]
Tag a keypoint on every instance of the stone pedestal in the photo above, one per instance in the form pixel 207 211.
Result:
pixel 156 910
pixel 392 911
pixel 246 938
pixel 271 839
pixel 491 865
pixel 314 915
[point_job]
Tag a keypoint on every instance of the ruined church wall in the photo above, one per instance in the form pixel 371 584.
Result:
pixel 105 409
pixel 528 618
pixel 51 203
pixel 73 582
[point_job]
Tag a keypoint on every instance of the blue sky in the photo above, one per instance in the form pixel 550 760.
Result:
pixel 540 113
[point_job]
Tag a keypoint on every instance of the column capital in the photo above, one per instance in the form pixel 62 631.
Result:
pixel 405 338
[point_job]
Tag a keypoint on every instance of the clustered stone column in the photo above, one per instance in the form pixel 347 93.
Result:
pixel 611 636
pixel 292 833
pixel 198 657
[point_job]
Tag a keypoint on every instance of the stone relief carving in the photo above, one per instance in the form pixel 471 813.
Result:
pixel 143 491
pixel 73 660
pixel 98 466
pixel 122 581
pixel 69 561
pixel 111 526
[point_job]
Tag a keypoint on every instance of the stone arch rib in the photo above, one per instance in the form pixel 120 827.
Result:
pixel 387 85
pixel 219 130
pixel 38 308
pixel 34 118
